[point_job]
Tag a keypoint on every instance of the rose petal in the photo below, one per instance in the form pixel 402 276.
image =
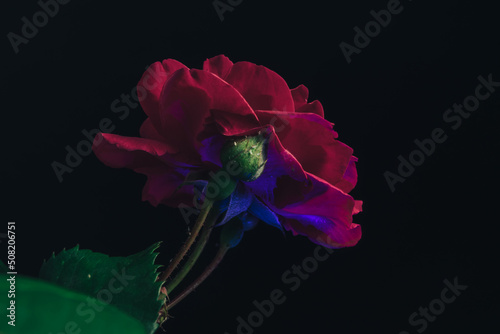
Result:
pixel 311 140
pixel 261 87
pixel 358 207
pixel 151 84
pixel 129 152
pixel 196 105
pixel 210 149
pixel 147 157
pixel 300 95
pixel 279 163
pixel 313 107
pixel 148 130
pixel 350 177
pixel 325 218
pixel 324 231
pixel 163 186
pixel 219 65
pixel 231 124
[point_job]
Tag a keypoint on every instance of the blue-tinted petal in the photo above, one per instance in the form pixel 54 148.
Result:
pixel 239 202
pixel 261 211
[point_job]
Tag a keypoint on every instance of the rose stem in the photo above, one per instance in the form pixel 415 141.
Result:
pixel 208 270
pixel 189 242
pixel 200 245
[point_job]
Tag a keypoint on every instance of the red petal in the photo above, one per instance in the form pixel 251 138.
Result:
pixel 231 124
pixel 312 142
pixel 148 130
pixel 261 87
pixel 326 218
pixel 280 163
pixel 130 152
pixel 171 65
pixel 350 178
pixel 151 84
pixel 299 95
pixel 196 105
pixel 314 107
pixel 219 65
pixel 163 187
pixel 147 157
pixel 358 207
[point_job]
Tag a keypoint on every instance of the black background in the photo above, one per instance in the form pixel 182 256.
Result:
pixel 439 224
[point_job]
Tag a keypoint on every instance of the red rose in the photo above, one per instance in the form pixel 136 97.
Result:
pixel 192 113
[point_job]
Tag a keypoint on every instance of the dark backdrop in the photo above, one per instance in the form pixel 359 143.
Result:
pixel 439 224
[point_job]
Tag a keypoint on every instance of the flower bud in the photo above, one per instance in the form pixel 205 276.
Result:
pixel 246 157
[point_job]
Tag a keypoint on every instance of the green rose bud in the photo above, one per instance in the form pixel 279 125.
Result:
pixel 245 156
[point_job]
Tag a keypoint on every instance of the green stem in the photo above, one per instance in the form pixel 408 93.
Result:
pixel 200 245
pixel 189 242
pixel 218 258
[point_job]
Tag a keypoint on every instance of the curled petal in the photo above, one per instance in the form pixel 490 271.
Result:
pixel 219 65
pixel 358 207
pixel 313 107
pixel 300 95
pixel 151 85
pixel 325 218
pixel 311 140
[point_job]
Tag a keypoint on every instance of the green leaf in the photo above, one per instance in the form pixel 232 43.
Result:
pixel 42 307
pixel 129 283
